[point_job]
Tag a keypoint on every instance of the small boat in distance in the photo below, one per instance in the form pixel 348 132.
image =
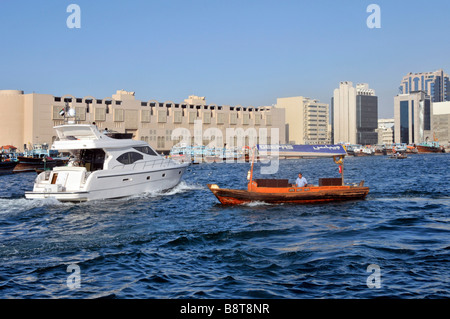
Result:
pixel 398 156
pixel 281 191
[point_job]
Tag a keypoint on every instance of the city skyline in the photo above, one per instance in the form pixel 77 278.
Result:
pixel 235 53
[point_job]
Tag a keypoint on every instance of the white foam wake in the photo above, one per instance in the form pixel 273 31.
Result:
pixel 256 203
pixel 182 187
pixel 18 205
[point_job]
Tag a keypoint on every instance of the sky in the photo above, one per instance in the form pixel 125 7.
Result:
pixel 233 52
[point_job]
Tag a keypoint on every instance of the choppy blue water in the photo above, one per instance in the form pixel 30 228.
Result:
pixel 184 244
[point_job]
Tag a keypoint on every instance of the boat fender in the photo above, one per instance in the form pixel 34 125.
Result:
pixel 248 175
pixel 340 169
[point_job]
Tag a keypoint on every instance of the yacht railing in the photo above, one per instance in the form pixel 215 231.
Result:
pixel 150 164
pixel 45 176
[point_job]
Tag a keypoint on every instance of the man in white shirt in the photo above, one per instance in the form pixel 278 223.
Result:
pixel 301 181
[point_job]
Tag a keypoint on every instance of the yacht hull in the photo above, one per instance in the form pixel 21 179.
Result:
pixel 109 185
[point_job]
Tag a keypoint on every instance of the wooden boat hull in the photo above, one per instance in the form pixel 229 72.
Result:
pixel 428 149
pixel 7 167
pixel 295 195
pixel 362 154
pixel 30 164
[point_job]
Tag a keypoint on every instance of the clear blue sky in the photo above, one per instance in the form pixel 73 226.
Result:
pixel 247 52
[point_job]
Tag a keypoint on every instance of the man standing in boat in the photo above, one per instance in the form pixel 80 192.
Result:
pixel 301 181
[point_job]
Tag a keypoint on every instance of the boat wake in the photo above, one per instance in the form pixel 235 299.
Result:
pixel 21 204
pixel 18 205
pixel 257 203
pixel 182 187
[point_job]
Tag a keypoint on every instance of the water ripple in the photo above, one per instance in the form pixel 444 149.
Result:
pixel 184 244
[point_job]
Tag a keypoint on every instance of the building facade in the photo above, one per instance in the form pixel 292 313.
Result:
pixel 29 119
pixel 385 131
pixel 435 84
pixel 440 123
pixel 306 120
pixel 412 116
pixel 344 113
pixel 355 114
pixel 366 115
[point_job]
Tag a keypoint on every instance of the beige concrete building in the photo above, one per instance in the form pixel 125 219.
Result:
pixel 344 113
pixel 355 114
pixel 385 131
pixel 29 119
pixel 306 120
pixel 440 122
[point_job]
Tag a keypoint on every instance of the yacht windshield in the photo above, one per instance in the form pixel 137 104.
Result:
pixel 146 150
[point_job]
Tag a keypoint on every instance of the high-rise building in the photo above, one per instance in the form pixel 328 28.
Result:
pixel 435 84
pixel 344 113
pixel 366 115
pixel 306 120
pixel 412 116
pixel 355 114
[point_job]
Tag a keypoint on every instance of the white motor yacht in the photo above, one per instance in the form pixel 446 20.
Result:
pixel 104 167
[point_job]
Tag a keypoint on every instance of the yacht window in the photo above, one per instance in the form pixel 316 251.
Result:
pixel 129 158
pixel 146 150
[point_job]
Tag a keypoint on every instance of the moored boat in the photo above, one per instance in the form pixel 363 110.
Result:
pixel 30 164
pixel 40 157
pixel 8 159
pixel 7 167
pixel 380 150
pixel 428 147
pixel 281 191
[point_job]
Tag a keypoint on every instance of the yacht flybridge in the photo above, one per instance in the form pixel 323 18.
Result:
pixel 104 167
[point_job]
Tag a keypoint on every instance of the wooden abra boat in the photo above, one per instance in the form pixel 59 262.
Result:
pixel 398 156
pixel 288 193
pixel 30 164
pixel 430 147
pixel 281 191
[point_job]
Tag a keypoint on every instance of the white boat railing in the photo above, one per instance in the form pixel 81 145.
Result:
pixel 150 164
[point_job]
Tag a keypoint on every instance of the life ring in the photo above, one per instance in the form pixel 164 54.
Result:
pixel 338 161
